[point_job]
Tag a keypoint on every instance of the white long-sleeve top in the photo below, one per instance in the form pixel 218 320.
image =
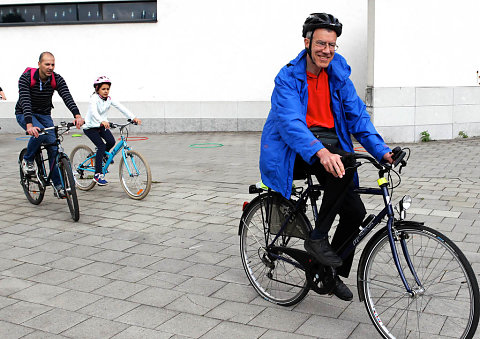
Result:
pixel 98 111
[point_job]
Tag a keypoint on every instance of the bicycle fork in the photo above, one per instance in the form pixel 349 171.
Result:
pixel 392 237
pixel 129 170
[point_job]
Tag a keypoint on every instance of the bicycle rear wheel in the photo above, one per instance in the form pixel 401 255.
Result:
pixel 136 180
pixel 277 277
pixel 83 171
pixel 447 303
pixel 33 187
pixel 69 188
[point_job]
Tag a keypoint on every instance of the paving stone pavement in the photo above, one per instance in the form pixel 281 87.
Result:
pixel 169 266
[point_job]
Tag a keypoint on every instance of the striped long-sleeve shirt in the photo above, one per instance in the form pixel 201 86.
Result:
pixel 38 99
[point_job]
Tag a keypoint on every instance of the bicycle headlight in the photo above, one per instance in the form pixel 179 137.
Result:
pixel 403 205
pixel 406 202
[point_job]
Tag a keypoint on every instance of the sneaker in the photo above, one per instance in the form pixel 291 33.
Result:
pixel 58 192
pixel 321 250
pixel 100 179
pixel 28 167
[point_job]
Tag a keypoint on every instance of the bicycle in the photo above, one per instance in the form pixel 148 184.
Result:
pixel 134 171
pixel 34 186
pixel 413 280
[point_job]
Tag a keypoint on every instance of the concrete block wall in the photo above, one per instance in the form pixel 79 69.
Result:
pixel 169 116
pixel 400 114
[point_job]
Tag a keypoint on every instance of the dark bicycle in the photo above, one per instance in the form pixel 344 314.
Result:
pixel 414 281
pixel 34 186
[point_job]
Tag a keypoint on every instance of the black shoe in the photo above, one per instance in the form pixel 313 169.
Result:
pixel 341 290
pixel 322 251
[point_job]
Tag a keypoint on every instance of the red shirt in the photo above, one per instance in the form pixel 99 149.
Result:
pixel 319 112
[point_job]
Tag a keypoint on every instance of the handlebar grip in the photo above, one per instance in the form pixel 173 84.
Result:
pixel 398 156
pixel 42 130
pixel 70 124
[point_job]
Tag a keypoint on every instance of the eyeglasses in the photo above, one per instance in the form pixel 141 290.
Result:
pixel 322 44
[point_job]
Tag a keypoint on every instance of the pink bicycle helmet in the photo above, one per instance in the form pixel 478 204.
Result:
pixel 101 80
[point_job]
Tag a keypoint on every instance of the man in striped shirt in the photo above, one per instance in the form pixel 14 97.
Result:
pixel 34 106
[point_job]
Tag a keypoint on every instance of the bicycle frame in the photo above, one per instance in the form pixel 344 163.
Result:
pixel 351 244
pixel 120 146
pixel 60 153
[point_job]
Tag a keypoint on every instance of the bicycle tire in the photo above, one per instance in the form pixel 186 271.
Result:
pixel 137 186
pixel 83 179
pixel 449 303
pixel 68 183
pixel 276 280
pixel 34 191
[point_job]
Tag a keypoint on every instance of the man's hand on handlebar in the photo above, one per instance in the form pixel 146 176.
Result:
pixel 105 124
pixel 388 157
pixel 137 121
pixel 79 121
pixel 332 162
pixel 33 130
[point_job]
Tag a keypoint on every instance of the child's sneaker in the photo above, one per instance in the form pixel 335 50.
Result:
pixel 100 179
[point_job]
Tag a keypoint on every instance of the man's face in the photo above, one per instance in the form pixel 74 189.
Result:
pixel 46 66
pixel 323 41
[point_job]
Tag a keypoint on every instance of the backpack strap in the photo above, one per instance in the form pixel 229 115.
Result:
pixel 32 70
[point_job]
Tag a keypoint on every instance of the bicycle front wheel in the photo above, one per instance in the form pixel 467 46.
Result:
pixel 32 186
pixel 135 175
pixel 83 171
pixel 446 302
pixel 277 277
pixel 69 188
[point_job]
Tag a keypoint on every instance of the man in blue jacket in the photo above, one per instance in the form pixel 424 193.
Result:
pixel 314 111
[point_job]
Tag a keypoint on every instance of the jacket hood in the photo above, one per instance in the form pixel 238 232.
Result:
pixel 338 70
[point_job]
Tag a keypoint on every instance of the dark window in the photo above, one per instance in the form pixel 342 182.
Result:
pixel 78 13
pixel 129 11
pixel 60 13
pixel 89 12
pixel 12 14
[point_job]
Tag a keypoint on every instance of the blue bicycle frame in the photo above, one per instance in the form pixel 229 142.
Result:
pixel 88 164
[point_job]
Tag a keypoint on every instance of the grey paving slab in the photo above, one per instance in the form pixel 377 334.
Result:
pixel 56 321
pixel 108 308
pixel 235 312
pixel 147 316
pixel 199 325
pixel 144 269
pixel 95 328
pixel 8 330
pixel 234 330
pixel 22 311
pixel 141 332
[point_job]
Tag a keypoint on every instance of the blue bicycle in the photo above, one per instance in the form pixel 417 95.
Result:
pixel 414 281
pixel 134 171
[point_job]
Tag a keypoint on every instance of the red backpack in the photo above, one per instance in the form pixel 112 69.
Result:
pixel 33 81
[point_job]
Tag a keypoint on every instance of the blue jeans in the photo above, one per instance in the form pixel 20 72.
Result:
pixel 42 121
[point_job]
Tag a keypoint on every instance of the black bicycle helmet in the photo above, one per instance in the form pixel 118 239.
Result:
pixel 321 20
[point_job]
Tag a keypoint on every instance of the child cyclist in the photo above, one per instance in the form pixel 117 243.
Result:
pixel 97 126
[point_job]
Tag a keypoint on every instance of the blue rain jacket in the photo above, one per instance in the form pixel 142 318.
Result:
pixel 285 132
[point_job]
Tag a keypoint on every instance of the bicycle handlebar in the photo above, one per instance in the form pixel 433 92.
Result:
pixel 64 125
pixel 130 122
pixel 398 156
